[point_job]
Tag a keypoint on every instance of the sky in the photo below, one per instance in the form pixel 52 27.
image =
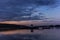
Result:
pixel 18 10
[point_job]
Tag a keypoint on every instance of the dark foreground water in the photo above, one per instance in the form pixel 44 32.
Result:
pixel 47 34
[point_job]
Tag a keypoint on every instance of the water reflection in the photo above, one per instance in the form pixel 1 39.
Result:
pixel 21 32
pixel 47 34
pixel 45 31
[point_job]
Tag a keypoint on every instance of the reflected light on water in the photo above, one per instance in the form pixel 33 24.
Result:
pixel 46 32
pixel 21 32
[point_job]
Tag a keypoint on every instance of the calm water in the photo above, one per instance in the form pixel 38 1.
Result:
pixel 47 34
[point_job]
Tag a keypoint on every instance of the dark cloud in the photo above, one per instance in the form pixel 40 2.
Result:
pixel 15 9
pixel 45 2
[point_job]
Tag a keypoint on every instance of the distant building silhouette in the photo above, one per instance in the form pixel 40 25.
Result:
pixel 31 25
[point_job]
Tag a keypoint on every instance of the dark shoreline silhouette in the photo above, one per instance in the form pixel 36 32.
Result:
pixel 7 27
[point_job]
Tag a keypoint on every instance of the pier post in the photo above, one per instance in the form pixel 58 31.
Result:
pixel 32 28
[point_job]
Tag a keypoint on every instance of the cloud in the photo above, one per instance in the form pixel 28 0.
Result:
pixel 45 2
pixel 22 9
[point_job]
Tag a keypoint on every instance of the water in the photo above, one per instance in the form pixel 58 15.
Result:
pixel 47 34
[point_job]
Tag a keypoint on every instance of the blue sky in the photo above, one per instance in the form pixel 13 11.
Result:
pixel 52 12
pixel 16 10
